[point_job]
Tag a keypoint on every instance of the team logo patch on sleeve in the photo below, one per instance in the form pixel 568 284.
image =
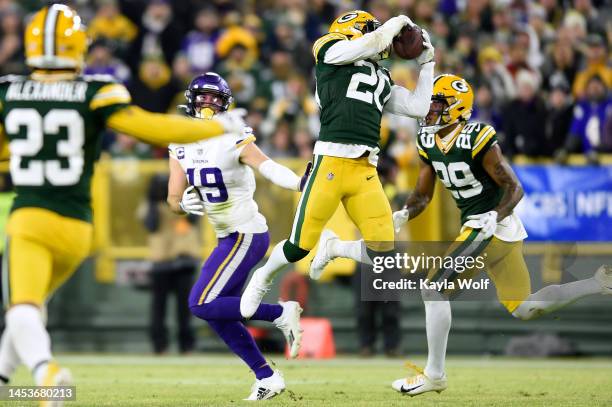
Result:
pixel 180 153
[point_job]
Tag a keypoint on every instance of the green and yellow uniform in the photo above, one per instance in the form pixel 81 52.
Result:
pixel 351 97
pixel 457 162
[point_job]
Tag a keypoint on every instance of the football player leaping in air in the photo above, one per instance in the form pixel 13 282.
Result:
pixel 352 92
pixel 52 121
pixel 221 184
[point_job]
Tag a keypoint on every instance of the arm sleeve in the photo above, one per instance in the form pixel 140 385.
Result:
pixel 279 175
pixel 161 129
pixel 346 52
pixel 422 153
pixel 413 103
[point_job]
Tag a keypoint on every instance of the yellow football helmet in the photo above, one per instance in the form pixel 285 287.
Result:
pixel 458 96
pixel 354 24
pixel 55 38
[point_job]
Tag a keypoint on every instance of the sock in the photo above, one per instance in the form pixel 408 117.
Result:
pixel 240 341
pixel 354 249
pixel 228 309
pixel 276 263
pixel 553 297
pixel 8 357
pixel 292 252
pixel 437 323
pixel 29 337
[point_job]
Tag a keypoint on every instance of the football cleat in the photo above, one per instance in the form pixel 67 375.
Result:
pixel 55 376
pixel 418 384
pixel 323 256
pixel 603 275
pixel 252 296
pixel 267 388
pixel 289 324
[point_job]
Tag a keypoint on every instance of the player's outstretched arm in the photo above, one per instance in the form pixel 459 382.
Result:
pixel 176 185
pixel 162 129
pixel 278 174
pixel 419 198
pixel 368 46
pixel 502 173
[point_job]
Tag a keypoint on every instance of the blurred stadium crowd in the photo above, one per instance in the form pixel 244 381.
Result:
pixel 540 69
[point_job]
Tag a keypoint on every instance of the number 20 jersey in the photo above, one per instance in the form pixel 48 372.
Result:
pixel 225 184
pixel 351 97
pixel 54 129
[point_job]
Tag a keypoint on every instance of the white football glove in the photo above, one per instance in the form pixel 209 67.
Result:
pixel 247 132
pixel 428 53
pixel 232 120
pixel 191 202
pixel 399 219
pixel 486 222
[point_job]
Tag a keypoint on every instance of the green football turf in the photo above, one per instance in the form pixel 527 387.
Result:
pixel 214 380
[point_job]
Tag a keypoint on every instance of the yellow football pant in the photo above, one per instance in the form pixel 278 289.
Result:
pixel 504 265
pixel 354 183
pixel 43 250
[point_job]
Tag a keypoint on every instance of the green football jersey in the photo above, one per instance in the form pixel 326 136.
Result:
pixel 351 97
pixel 54 129
pixel 459 166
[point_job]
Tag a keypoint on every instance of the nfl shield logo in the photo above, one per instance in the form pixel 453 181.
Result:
pixel 180 153
pixel 200 151
pixel 330 176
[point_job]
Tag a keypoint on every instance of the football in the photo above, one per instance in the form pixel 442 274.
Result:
pixel 408 44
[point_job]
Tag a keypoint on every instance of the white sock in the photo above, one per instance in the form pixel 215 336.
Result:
pixel 8 356
pixel 352 249
pixel 29 337
pixel 438 323
pixel 276 263
pixel 553 297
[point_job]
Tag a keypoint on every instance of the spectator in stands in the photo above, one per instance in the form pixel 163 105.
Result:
pixel 154 88
pixel 589 132
pixel 280 143
pixel 596 64
pixel 273 82
pixel 110 24
pixel 242 72
pixel 320 13
pixel 562 61
pixel 559 112
pixel 485 110
pixel 159 36
pixel 495 76
pixel 237 35
pixel 11 43
pixel 288 37
pixel 525 118
pixel 199 46
pixel 519 54
pixel 100 61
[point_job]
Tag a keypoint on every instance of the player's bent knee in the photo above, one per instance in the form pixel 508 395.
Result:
pixel 294 253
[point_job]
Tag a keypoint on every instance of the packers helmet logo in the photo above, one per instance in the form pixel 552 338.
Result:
pixel 460 86
pixel 347 17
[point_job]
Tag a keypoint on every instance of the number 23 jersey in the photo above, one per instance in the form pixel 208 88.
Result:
pixel 225 184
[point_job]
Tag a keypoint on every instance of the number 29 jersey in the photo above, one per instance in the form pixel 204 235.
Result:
pixel 54 129
pixel 226 185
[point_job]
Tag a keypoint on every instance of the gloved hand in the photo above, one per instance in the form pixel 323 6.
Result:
pixel 428 53
pixel 305 176
pixel 400 218
pixel 486 222
pixel 191 202
pixel 232 120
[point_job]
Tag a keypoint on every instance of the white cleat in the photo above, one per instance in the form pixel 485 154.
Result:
pixel 267 388
pixel 55 376
pixel 418 384
pixel 322 257
pixel 603 275
pixel 289 324
pixel 252 296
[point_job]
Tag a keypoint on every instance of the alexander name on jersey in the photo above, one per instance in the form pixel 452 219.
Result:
pixel 66 91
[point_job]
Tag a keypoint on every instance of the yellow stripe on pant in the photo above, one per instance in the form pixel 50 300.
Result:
pixel 354 183
pixel 45 249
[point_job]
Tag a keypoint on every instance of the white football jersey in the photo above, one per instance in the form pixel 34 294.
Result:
pixel 227 186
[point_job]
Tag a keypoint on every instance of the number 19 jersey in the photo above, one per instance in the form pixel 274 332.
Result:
pixel 54 129
pixel 225 184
